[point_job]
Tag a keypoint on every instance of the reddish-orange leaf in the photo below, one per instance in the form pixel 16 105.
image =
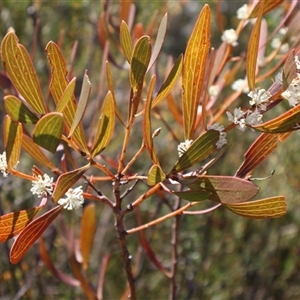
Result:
pixel 262 147
pixel 252 52
pixel 273 207
pixel 13 223
pixel 57 87
pixel 88 228
pixel 21 72
pixel 193 71
pixel 12 136
pixel 288 121
pixel 31 233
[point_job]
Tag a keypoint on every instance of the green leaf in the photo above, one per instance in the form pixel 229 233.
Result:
pixel 159 40
pixel 252 51
pixel 273 207
pixel 66 96
pixel 155 175
pixel 262 147
pixel 193 71
pixel 66 181
pixel 139 62
pixel 125 41
pixel 57 87
pixel 18 111
pixel 106 125
pixel 48 130
pixel 12 133
pixel 169 83
pixel 82 103
pixel 36 153
pixel 21 72
pixel 203 146
pixel 31 233
pixel 288 121
pixel 88 226
pixel 147 129
pixel 225 189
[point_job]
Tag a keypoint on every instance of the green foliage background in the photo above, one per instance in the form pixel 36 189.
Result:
pixel 221 255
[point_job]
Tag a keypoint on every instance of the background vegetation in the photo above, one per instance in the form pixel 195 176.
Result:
pixel 221 255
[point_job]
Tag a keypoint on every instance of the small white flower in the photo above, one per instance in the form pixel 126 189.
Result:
pixel 3 164
pixel 283 30
pixel 237 115
pixel 292 93
pixel 41 186
pixel 222 138
pixel 297 62
pixel 213 91
pixel 182 147
pixel 240 85
pixel 259 97
pixel 243 12
pixel 73 200
pixel 253 118
pixel 230 37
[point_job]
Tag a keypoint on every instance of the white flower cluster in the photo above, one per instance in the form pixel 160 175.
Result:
pixel 41 185
pixel 73 200
pixel 230 37
pixel 222 138
pixel 243 12
pixel 44 185
pixel 259 97
pixel 182 147
pixel 292 93
pixel 244 118
pixel 240 85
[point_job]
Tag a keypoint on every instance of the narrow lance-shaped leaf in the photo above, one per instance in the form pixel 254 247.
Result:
pixel 288 121
pixel 261 148
pixel 125 41
pixel 18 111
pixel 66 181
pixel 47 131
pixel 203 146
pixel 193 71
pixel 252 51
pixel 12 133
pixel 36 153
pixel 57 87
pixel 21 72
pixel 147 129
pixel 168 84
pixel 159 40
pixel 106 125
pixel 82 103
pixel 273 207
pixel 155 175
pixel 13 223
pixel 66 96
pixel 31 233
pixel 88 228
